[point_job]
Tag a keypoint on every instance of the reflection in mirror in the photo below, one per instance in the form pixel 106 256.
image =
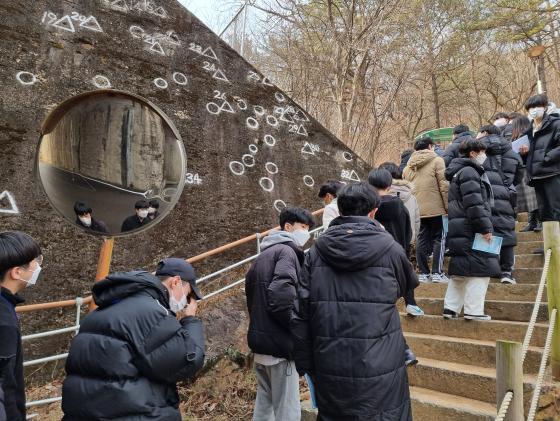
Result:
pixel 111 162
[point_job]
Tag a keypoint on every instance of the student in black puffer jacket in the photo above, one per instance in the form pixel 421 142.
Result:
pixel 131 351
pixel 543 157
pixel 504 169
pixel 270 288
pixel 470 204
pixel 347 330
pixel 460 132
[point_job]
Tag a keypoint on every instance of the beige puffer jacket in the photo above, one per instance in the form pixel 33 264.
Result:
pixel 426 170
pixel 405 190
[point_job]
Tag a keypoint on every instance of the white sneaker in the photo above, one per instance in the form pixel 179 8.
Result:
pixel 508 279
pixel 424 278
pixel 414 310
pixel 440 278
pixel 482 317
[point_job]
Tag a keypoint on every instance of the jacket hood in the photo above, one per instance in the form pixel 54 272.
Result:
pixel 421 158
pixel 404 189
pixel 461 136
pixel 121 285
pixel 276 237
pixel 458 164
pixel 496 145
pixel 352 243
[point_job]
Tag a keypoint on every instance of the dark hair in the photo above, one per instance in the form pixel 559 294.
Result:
pixel 471 145
pixel 460 128
pixel 536 101
pixel 490 129
pixel 293 215
pixel 154 203
pixel 393 168
pixel 423 143
pixel 16 249
pixel 514 115
pixel 497 116
pixel 380 178
pixel 520 125
pixel 141 204
pixel 357 199
pixel 81 208
pixel 330 186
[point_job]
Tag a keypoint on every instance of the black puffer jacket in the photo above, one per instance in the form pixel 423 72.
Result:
pixel 504 169
pixel 470 204
pixel 347 326
pixel 270 288
pixel 543 159
pixel 129 354
pixel 452 151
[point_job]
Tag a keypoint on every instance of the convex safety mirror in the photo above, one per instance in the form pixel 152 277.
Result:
pixel 111 162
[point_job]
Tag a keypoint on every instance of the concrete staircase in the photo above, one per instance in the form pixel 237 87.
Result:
pixel 455 378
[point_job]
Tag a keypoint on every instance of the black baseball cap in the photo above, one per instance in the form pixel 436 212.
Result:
pixel 174 266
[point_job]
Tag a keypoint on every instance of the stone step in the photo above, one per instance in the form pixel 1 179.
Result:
pixel 529 236
pixel 520 225
pixel 496 291
pixel 486 331
pixel 468 381
pixel 465 351
pixel 517 311
pixel 523 217
pixel 429 405
pixel 529 261
pixel 527 275
pixel 528 247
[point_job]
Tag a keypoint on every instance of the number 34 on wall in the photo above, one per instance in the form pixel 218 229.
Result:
pixel 193 178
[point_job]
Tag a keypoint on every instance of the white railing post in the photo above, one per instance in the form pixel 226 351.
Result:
pixel 509 378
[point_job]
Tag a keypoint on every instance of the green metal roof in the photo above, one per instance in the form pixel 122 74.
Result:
pixel 444 134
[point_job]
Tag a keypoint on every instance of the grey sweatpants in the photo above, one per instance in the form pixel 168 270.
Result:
pixel 277 392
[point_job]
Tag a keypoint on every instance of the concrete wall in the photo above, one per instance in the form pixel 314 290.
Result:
pixel 250 149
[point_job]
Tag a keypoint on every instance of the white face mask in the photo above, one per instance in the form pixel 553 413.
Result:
pixel 85 221
pixel 301 237
pixel 143 213
pixel 151 210
pixel 175 305
pixel 501 122
pixel 480 158
pixel 34 277
pixel 537 112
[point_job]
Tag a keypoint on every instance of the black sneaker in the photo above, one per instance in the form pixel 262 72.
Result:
pixel 409 357
pixel 449 314
pixel 481 317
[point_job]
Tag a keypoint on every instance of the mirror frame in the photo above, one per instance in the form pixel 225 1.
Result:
pixel 54 116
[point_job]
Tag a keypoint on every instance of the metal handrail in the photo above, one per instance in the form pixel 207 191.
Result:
pixel 198 258
pixel 80 301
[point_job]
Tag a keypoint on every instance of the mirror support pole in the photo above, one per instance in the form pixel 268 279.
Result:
pixel 104 263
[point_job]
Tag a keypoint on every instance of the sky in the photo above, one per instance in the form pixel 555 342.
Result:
pixel 214 13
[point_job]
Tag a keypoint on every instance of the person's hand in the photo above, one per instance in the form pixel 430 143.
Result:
pixel 487 237
pixel 192 306
pixel 524 149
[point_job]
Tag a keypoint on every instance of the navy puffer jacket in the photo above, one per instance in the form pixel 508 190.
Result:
pixel 130 353
pixel 504 169
pixel 347 328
